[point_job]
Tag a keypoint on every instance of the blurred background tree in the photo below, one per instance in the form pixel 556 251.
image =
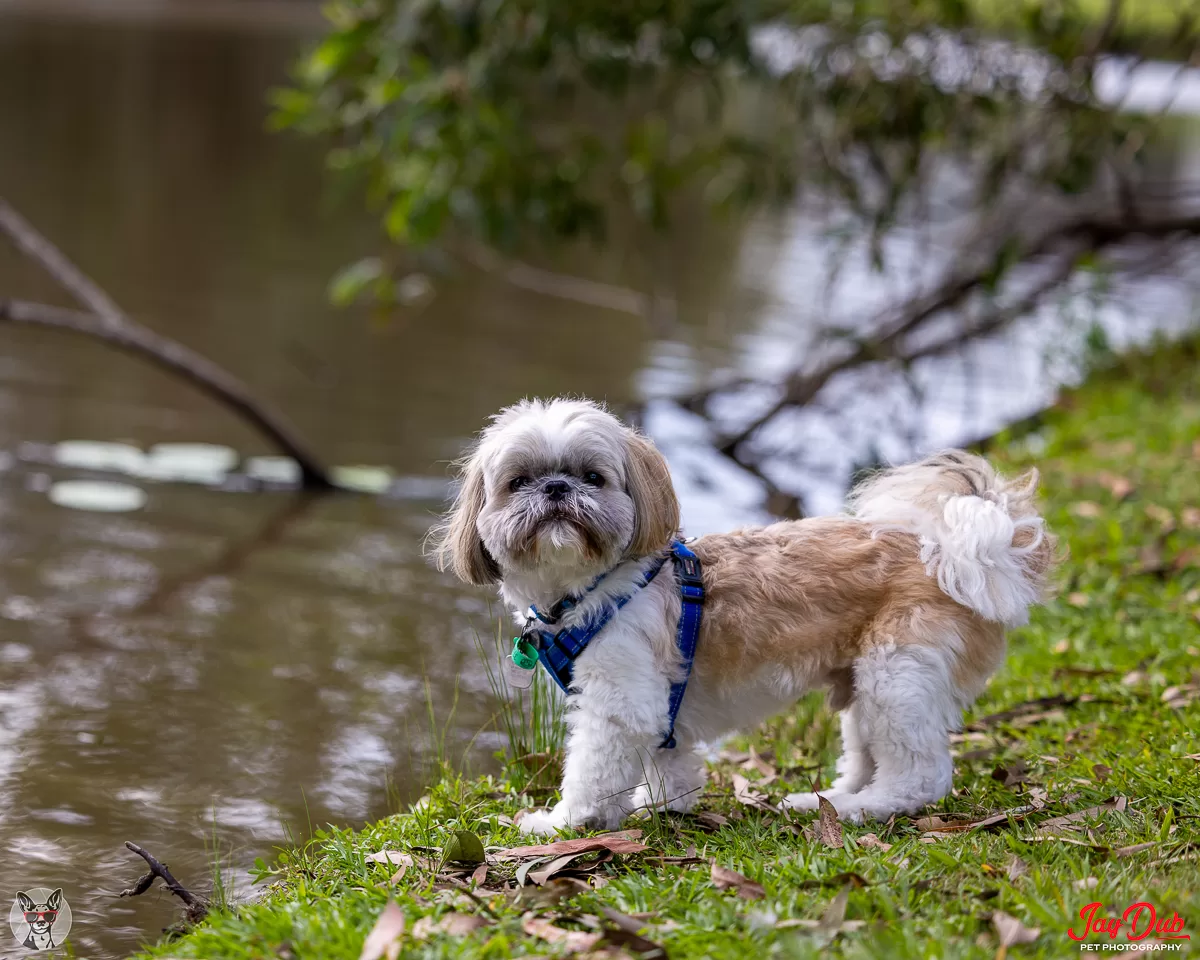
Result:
pixel 1005 128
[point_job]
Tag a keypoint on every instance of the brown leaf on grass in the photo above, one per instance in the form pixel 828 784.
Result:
pixel 756 762
pixel 847 879
pixel 1120 487
pixel 1087 508
pixel 1160 515
pixel 961 823
pixel 1072 821
pixel 624 841
pixel 1078 599
pixel 1056 715
pixel 1029 707
pixel 1074 671
pixel 1180 695
pixel 1011 775
pixel 829 827
pixel 627 932
pixel 1190 518
pixel 834 916
pixel 479 876
pixel 1101 771
pixel 384 938
pixel 1134 678
pixel 710 821
pixel 725 879
pixel 453 924
pixel 1017 868
pixel 572 941
pixel 1010 930
pixel 870 840
pixel 747 796
pixel 1193 756
pixel 542 874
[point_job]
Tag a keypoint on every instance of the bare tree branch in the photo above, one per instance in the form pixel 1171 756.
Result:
pixel 106 321
pixel 1083 234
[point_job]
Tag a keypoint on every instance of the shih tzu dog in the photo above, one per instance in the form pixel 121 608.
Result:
pixel 898 608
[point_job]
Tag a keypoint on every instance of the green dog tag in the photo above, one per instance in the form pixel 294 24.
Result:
pixel 524 653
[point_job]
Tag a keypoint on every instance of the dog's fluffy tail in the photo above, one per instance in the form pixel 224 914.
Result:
pixel 980 534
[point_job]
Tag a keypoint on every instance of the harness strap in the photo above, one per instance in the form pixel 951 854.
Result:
pixel 691 589
pixel 557 652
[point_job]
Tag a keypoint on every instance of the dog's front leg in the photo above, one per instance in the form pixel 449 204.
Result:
pixel 604 764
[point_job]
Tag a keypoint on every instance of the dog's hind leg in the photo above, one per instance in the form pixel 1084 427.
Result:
pixel 907 704
pixel 855 767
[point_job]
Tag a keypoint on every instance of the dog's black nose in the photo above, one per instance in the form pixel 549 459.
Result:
pixel 556 489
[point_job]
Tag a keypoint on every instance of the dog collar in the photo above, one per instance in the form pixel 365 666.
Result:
pixel 558 651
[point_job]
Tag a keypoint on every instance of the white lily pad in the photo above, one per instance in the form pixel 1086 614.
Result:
pixel 101 496
pixel 362 479
pixel 99 455
pixel 206 463
pixel 273 469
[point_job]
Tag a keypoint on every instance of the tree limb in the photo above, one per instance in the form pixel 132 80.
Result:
pixel 1082 234
pixel 106 321
pixel 197 907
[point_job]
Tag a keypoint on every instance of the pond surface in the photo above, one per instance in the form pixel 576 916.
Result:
pixel 217 672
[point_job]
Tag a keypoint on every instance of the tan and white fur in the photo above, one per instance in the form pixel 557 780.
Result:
pixel 898 608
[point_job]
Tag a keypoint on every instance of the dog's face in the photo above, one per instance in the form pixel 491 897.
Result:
pixel 40 916
pixel 559 485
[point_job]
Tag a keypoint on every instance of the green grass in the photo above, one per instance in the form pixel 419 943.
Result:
pixel 1120 461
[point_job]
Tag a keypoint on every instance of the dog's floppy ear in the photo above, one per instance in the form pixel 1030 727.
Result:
pixel 25 901
pixel 648 483
pixel 457 544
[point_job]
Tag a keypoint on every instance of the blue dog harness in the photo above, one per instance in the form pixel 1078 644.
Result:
pixel 557 652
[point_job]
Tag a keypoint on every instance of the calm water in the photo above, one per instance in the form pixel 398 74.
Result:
pixel 220 669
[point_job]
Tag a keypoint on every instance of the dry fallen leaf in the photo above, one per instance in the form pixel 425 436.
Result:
pixel 756 762
pixel 711 821
pixel 1071 821
pixel 1078 599
pixel 1039 708
pixel 383 940
pixel 1120 487
pixel 573 941
pixel 1161 515
pixel 725 879
pixel 834 916
pixel 1017 868
pixel 870 840
pixel 1087 508
pixel 1101 771
pixel 1191 518
pixel 452 924
pixel 829 828
pixel 746 795
pixel 1014 773
pixel 1011 930
pixel 622 842
pixel 1134 848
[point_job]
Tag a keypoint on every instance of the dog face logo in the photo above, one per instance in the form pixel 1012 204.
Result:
pixel 40 918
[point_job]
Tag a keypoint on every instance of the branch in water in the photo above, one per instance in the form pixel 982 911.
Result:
pixel 197 907
pixel 104 320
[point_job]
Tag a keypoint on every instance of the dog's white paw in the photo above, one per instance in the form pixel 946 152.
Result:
pixel 542 822
pixel 800 801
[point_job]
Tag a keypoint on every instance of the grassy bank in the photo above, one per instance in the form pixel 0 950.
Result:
pixel 1093 718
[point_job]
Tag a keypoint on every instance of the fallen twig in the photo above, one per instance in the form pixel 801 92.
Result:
pixel 197 907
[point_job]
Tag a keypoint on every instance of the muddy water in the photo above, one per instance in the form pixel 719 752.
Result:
pixel 220 671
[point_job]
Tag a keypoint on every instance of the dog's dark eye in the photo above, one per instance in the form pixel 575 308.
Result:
pixel 592 478
pixel 517 483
